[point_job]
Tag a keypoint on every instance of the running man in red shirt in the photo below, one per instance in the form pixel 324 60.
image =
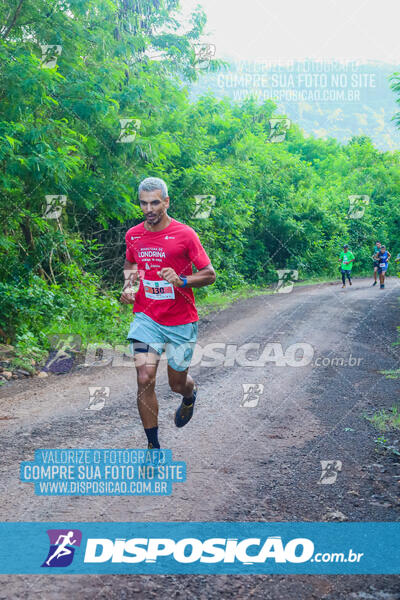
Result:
pixel 159 255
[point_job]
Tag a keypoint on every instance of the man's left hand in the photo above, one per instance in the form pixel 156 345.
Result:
pixel 169 275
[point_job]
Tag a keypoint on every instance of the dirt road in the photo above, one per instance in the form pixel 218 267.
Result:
pixel 255 462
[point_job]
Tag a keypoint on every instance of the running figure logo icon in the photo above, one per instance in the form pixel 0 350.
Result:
pixel 63 543
pixel 251 394
pixel 204 204
pixel 330 470
pixel 63 350
pixel 278 130
pixel 357 206
pixel 286 279
pixel 129 128
pixel 50 53
pixel 98 397
pixel 204 53
pixel 54 206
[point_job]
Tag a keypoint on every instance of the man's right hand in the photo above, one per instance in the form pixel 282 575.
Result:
pixel 132 278
pixel 128 295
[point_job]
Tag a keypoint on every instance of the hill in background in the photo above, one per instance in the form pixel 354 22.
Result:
pixel 325 98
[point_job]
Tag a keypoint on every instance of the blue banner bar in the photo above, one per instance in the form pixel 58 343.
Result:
pixel 208 548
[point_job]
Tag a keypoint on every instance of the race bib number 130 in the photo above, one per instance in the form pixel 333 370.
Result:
pixel 158 290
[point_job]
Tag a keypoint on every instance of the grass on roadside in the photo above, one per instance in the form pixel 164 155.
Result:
pixel 394 374
pixel 387 422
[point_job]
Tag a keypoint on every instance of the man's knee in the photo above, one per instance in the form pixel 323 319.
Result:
pixel 146 379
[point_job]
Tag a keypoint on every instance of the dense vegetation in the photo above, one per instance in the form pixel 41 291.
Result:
pixel 278 205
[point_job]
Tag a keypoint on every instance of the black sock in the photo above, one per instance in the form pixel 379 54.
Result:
pixel 152 436
pixel 189 401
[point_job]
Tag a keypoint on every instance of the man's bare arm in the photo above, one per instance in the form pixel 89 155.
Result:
pixel 203 277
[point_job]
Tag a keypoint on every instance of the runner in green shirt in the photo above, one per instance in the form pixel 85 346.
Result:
pixel 346 260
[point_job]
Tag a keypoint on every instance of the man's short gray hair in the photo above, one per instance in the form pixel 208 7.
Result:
pixel 154 183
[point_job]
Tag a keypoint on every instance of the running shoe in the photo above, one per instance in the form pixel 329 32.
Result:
pixel 184 412
pixel 375 282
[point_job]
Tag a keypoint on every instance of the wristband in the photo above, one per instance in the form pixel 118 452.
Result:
pixel 184 279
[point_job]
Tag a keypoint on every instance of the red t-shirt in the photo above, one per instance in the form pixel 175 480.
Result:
pixel 176 246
